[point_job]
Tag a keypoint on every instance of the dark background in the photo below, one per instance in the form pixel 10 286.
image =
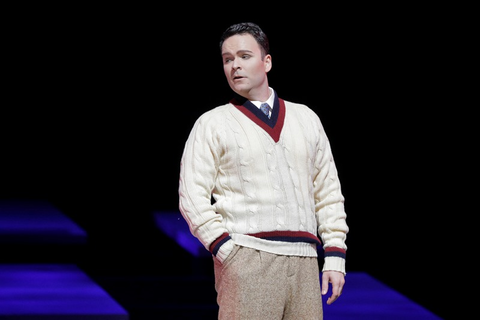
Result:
pixel 98 103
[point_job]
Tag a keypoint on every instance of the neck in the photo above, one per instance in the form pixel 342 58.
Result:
pixel 258 95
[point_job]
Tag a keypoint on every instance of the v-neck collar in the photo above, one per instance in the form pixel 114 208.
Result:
pixel 273 125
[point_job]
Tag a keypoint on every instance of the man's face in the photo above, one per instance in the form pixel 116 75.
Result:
pixel 243 66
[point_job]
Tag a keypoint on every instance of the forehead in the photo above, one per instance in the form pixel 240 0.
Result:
pixel 240 42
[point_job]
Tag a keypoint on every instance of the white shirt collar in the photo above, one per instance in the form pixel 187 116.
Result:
pixel 269 100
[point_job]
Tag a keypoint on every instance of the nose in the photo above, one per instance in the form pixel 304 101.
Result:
pixel 235 65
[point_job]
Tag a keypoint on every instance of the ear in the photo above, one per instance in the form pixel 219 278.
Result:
pixel 267 61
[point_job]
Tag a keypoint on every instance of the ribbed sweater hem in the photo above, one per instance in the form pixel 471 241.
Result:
pixel 277 247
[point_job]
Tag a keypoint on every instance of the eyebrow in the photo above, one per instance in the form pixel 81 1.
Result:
pixel 238 52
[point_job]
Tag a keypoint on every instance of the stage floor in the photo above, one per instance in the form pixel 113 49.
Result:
pixel 53 291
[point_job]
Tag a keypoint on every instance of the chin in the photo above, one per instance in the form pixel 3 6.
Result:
pixel 241 91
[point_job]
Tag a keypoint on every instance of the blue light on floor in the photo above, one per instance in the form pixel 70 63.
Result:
pixel 37 221
pixel 364 298
pixel 175 227
pixel 41 290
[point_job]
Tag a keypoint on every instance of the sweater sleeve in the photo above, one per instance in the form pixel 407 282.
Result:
pixel 329 206
pixel 198 170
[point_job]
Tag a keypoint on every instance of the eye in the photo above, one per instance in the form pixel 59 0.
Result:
pixel 245 56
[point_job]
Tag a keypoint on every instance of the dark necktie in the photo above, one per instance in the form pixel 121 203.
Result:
pixel 265 109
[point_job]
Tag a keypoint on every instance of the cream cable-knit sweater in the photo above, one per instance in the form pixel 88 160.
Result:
pixel 274 183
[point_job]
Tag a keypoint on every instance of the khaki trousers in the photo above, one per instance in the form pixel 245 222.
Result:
pixel 257 285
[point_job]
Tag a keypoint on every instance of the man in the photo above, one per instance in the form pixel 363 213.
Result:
pixel 259 189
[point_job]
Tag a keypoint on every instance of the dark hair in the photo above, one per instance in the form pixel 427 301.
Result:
pixel 248 28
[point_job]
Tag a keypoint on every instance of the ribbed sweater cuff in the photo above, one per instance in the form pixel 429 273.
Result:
pixel 225 250
pixel 215 246
pixel 334 264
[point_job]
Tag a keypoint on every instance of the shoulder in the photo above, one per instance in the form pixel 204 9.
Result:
pixel 301 110
pixel 300 107
pixel 304 116
pixel 213 121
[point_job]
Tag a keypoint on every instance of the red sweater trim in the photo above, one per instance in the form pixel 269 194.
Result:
pixel 287 236
pixel 277 129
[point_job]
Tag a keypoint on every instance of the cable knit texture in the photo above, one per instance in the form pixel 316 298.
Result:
pixel 274 184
